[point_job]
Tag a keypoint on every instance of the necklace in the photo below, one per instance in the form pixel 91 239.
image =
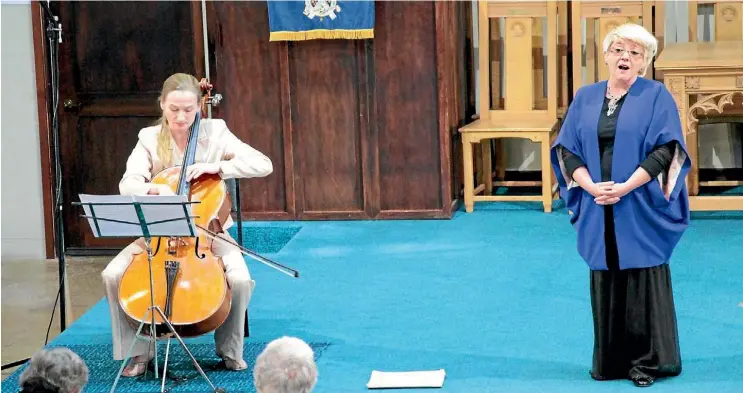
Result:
pixel 612 101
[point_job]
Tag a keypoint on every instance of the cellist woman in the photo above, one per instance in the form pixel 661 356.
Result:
pixel 218 151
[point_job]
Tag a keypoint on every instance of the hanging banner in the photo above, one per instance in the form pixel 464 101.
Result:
pixel 318 19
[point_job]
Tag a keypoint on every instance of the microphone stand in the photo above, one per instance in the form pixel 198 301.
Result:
pixel 54 37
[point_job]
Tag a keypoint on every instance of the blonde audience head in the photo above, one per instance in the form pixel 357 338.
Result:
pixel 286 365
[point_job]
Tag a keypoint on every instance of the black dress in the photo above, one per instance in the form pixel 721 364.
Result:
pixel 634 317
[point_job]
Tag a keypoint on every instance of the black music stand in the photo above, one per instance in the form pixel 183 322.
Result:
pixel 144 216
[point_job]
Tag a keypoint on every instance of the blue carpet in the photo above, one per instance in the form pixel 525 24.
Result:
pixel 264 239
pixel 499 298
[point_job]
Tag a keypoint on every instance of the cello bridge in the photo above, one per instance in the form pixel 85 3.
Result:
pixel 174 243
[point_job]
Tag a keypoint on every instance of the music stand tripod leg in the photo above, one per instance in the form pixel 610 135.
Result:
pixel 172 331
pixel 165 366
pixel 152 337
pixel 188 352
pixel 153 327
pixel 128 356
pixel 165 318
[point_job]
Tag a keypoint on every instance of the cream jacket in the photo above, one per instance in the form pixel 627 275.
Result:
pixel 216 144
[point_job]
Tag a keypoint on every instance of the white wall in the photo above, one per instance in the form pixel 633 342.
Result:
pixel 22 205
pixel 719 145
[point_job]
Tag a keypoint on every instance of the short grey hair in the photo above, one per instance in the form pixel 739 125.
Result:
pixel 57 369
pixel 286 365
pixel 637 34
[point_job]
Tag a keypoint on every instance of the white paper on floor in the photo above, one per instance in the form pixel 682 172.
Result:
pixel 406 379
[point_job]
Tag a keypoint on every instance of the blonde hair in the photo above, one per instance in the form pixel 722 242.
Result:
pixel 286 365
pixel 182 82
pixel 637 34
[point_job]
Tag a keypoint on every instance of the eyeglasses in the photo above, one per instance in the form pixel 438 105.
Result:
pixel 620 51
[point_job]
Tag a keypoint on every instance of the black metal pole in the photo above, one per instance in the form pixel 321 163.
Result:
pixel 54 34
pixel 239 214
pixel 240 240
pixel 62 267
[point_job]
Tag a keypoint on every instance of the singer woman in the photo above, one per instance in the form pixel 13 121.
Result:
pixel 218 151
pixel 621 162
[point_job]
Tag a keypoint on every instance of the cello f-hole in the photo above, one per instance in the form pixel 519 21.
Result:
pixel 158 246
pixel 196 249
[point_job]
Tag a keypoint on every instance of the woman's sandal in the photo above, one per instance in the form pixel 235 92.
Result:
pixel 234 365
pixel 135 368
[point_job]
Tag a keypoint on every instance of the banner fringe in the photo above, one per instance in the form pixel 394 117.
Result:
pixel 321 34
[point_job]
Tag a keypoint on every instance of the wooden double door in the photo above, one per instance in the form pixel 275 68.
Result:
pixel 356 129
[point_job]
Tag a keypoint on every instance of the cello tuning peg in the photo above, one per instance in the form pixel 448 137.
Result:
pixel 216 99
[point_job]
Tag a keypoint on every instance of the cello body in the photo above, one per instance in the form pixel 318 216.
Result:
pixel 189 282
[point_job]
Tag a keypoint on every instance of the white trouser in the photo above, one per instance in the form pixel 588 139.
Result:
pixel 228 337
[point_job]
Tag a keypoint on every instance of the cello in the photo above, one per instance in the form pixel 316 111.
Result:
pixel 189 282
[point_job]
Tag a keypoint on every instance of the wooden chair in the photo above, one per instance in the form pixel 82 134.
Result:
pixel 728 20
pixel 523 111
pixel 233 189
pixel 600 17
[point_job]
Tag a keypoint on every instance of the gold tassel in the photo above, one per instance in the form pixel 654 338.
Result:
pixel 321 34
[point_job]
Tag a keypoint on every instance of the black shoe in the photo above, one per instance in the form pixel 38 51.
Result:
pixel 599 377
pixel 642 381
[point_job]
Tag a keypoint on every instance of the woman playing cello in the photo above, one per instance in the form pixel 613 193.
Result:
pixel 218 152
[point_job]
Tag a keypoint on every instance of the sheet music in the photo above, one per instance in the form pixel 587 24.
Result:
pixel 113 212
pixel 121 208
pixel 408 379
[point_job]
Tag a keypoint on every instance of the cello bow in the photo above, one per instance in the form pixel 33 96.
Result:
pixel 206 106
pixel 286 270
pixel 207 99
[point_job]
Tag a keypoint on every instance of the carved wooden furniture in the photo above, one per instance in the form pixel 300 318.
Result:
pixel 523 111
pixel 705 78
pixel 728 20
pixel 601 17
pixel 484 167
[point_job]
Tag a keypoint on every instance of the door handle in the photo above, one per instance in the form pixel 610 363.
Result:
pixel 71 105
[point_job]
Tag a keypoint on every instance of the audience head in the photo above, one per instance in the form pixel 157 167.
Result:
pixel 286 365
pixel 57 370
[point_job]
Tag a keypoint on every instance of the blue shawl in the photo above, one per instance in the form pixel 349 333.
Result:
pixel 650 220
